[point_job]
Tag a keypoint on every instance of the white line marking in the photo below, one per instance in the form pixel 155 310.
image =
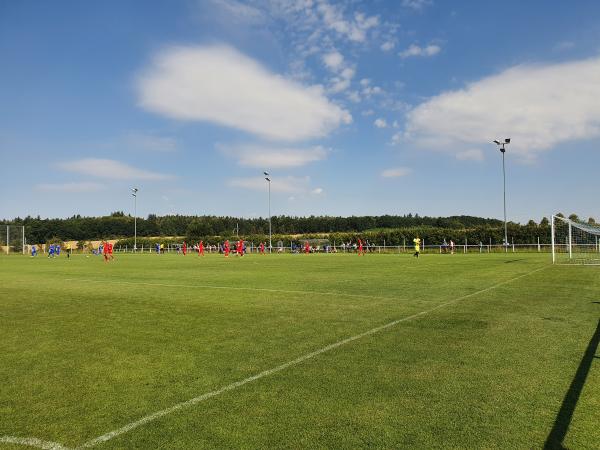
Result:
pixel 33 442
pixel 229 387
pixel 235 288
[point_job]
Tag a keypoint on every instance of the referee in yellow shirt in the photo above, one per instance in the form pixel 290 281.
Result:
pixel 417 242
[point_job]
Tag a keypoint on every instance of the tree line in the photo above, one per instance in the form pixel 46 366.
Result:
pixel 393 229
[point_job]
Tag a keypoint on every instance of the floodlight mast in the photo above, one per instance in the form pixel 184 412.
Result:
pixel 268 179
pixel 503 151
pixel 134 192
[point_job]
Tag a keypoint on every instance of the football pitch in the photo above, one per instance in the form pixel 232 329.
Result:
pixel 299 351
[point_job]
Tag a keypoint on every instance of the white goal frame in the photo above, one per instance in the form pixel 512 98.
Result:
pixel 570 246
pixel 7 232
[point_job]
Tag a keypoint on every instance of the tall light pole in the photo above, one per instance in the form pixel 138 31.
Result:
pixel 503 150
pixel 134 194
pixel 267 177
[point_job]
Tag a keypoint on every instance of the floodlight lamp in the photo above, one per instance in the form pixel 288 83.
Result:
pixel 507 141
pixel 266 174
pixel 268 179
pixel 496 141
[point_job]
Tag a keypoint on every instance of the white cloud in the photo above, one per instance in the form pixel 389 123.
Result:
pixel 298 70
pixel 285 185
pixel 365 82
pixel 380 123
pixel 220 85
pixel 317 191
pixel 365 23
pixel 416 4
pixel 348 73
pixel 110 169
pixel 239 12
pixel 393 104
pixel 70 187
pixel 312 28
pixel 342 82
pixel 368 91
pixel 415 50
pixel 333 60
pixel 354 96
pixel 473 154
pixel 538 106
pixel 368 112
pixel 396 172
pixel 269 157
pixel 339 85
pixel 355 30
pixel 387 46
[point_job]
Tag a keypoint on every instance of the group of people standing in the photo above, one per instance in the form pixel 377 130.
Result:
pixel 106 249
pixel 239 248
pixel 448 247
pixel 53 251
pixel 445 247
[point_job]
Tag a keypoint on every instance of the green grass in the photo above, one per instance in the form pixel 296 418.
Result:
pixel 88 347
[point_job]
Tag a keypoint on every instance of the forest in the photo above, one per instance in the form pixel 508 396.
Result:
pixel 393 229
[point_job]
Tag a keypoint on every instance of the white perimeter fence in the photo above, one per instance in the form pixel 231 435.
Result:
pixel 374 249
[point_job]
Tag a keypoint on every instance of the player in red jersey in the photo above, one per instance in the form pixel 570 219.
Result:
pixel 361 251
pixel 306 248
pixel 240 248
pixel 110 251
pixel 184 248
pixel 201 248
pixel 226 248
pixel 261 248
pixel 105 251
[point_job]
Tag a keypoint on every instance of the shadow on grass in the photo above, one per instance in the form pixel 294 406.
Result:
pixel 565 414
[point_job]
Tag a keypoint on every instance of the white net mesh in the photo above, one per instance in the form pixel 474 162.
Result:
pixel 575 242
pixel 11 238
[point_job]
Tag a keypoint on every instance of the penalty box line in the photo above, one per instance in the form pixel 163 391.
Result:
pixel 234 288
pixel 32 442
pixel 179 406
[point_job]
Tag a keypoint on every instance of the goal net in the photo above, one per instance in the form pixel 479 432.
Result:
pixel 575 242
pixel 12 239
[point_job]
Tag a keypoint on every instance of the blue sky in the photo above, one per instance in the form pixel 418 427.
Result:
pixel 354 107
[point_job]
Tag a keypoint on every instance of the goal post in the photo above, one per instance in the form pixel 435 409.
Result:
pixel 12 239
pixel 574 242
